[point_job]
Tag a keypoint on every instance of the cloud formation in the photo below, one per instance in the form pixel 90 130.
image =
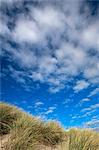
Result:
pixel 91 108
pixel 80 85
pixel 51 42
pixel 94 92
pixel 94 123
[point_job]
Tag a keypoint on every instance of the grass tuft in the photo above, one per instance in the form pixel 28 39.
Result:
pixel 26 132
pixel 83 139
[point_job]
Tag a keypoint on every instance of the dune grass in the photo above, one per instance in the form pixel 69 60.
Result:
pixel 8 115
pixel 29 133
pixel 83 139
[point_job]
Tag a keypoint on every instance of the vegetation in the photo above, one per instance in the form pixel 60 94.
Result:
pixel 83 139
pixel 29 133
pixel 8 115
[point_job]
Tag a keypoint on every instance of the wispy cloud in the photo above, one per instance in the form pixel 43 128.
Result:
pixel 50 110
pixel 84 100
pixel 91 108
pixel 94 92
pixel 38 104
pixel 94 124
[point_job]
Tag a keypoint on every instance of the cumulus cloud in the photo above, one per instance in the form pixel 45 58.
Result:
pixel 26 31
pixel 49 18
pixel 3 28
pixel 52 43
pixel 90 36
pixel 80 85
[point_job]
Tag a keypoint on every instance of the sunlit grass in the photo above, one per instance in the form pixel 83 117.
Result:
pixel 83 139
pixel 27 132
pixel 30 133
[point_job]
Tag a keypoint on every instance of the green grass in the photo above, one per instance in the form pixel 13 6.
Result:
pixel 29 133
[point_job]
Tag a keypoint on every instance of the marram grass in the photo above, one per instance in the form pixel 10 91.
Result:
pixel 26 132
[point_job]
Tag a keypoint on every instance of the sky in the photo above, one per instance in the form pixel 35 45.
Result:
pixel 50 59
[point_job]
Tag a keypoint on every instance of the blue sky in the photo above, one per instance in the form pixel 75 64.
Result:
pixel 50 59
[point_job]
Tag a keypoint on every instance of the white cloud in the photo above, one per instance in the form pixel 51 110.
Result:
pixel 43 112
pixel 69 55
pixel 54 44
pixel 86 114
pixel 90 36
pixel 24 57
pixel 91 108
pixel 38 104
pixel 94 92
pixel 92 69
pixel 48 17
pixel 94 124
pixel 47 64
pixel 37 76
pixel 39 26
pixel 54 89
pixel 83 101
pixel 18 75
pixel 3 28
pixel 26 31
pixel 80 85
pixel 50 110
pixel 8 1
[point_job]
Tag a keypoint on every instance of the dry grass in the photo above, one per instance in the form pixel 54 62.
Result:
pixel 83 139
pixel 8 115
pixel 29 133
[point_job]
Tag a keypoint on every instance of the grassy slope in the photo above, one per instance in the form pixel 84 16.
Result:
pixel 26 132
